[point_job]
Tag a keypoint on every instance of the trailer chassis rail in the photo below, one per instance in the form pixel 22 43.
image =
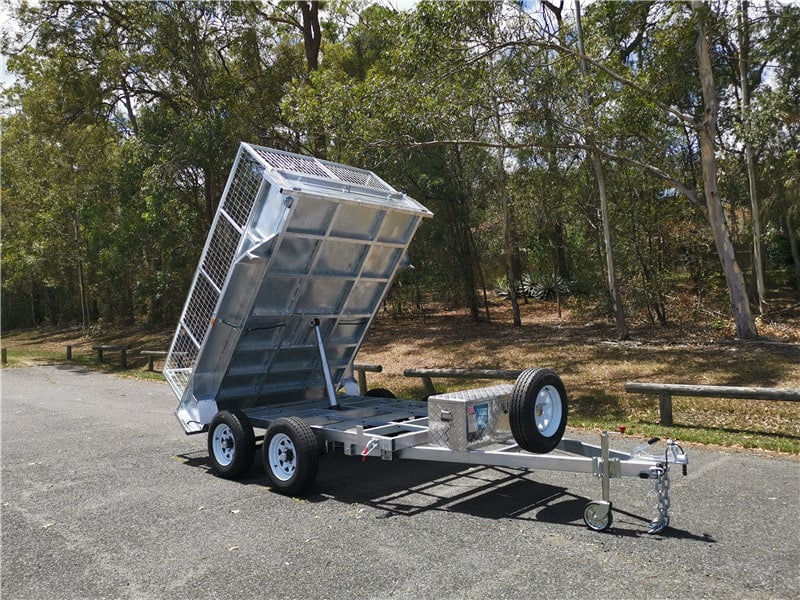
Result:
pixel 398 430
pixel 570 456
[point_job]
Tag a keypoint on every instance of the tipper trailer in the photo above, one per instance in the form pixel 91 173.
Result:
pixel 298 260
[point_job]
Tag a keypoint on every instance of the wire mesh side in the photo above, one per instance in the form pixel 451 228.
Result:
pixel 238 202
pixel 358 177
pixel 293 163
pixel 217 258
pixel 181 359
pixel 301 165
pixel 222 247
pixel 200 308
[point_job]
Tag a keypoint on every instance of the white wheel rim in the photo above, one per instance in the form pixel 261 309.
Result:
pixel 224 444
pixel 282 456
pixel 547 411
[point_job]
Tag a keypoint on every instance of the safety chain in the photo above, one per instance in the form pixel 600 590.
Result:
pixel 661 475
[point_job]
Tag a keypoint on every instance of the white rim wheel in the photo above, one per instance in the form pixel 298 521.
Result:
pixel 223 444
pixel 547 411
pixel 231 444
pixel 537 411
pixel 282 457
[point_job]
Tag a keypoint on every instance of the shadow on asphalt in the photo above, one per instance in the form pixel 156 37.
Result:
pixel 74 369
pixel 408 488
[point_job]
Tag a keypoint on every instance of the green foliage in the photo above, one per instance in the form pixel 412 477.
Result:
pixel 544 287
pixel 118 138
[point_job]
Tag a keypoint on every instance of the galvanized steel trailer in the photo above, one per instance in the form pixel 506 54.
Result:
pixel 300 256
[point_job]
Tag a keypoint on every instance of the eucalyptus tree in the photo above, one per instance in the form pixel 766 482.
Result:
pixel 700 122
pixel 387 84
pixel 744 40
pixel 597 167
pixel 761 52
pixel 163 92
pixel 725 48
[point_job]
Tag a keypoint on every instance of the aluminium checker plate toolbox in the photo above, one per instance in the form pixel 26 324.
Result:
pixel 469 419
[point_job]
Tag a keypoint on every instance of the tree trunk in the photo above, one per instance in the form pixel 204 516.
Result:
pixel 745 326
pixel 611 270
pixel 33 307
pixel 312 42
pixel 469 281
pixel 82 287
pixel 792 234
pixel 312 39
pixel 81 278
pixel 511 274
pixel 211 192
pixel 613 288
pixel 758 262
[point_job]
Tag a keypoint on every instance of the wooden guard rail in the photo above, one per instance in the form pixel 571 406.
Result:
pixel 362 371
pixel 427 375
pixel 121 348
pixel 152 355
pixel 665 391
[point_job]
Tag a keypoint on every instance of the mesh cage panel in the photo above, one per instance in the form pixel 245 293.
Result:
pixel 242 193
pixel 218 256
pixel 181 359
pixel 364 178
pixel 200 308
pixel 221 250
pixel 294 163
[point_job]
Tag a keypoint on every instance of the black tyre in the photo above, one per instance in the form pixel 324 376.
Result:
pixel 380 393
pixel 538 410
pixel 231 444
pixel 291 455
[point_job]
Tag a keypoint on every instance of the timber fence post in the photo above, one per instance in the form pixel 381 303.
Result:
pixel 665 408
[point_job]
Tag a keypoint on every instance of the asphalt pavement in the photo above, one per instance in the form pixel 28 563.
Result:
pixel 103 496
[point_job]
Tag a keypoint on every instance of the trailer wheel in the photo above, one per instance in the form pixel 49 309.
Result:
pixel 290 455
pixel 597 515
pixel 231 444
pixel 538 410
pixel 380 393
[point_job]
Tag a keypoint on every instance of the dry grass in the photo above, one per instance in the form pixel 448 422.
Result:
pixel 593 365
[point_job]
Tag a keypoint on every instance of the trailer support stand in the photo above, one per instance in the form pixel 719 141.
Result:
pixel 326 370
pixel 597 515
pixel 605 468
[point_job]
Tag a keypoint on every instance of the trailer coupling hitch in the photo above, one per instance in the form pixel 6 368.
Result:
pixel 674 454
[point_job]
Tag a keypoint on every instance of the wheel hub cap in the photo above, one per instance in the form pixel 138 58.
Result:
pixel 224 445
pixel 282 457
pixel 547 410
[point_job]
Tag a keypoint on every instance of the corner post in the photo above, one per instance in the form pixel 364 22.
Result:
pixel 665 408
